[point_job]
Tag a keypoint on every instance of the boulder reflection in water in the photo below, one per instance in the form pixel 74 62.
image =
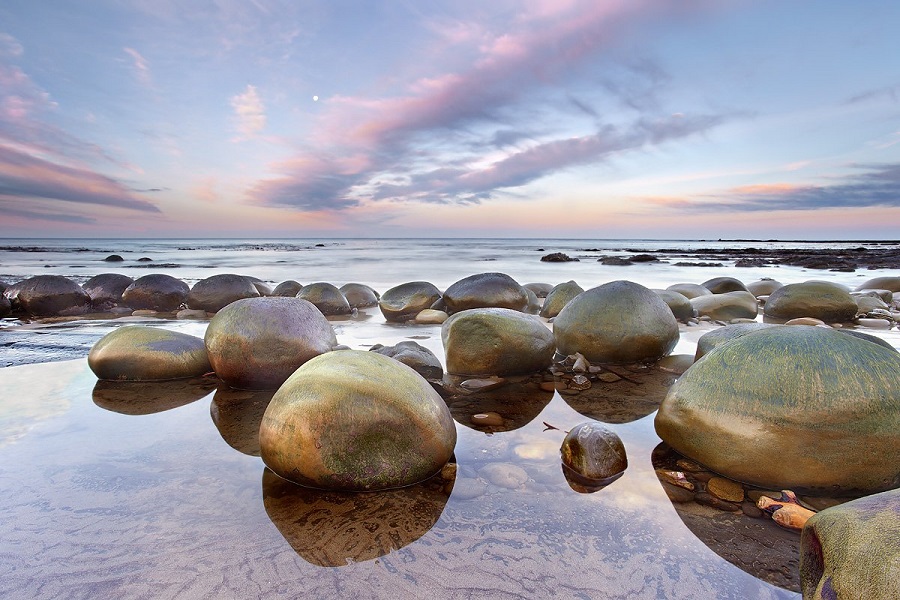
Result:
pixel 237 415
pixel 149 397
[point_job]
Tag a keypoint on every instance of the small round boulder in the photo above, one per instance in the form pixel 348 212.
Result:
pixel 881 283
pixel 689 290
pixel 823 300
pixel 357 421
pixel 326 297
pixel 618 322
pixel 679 304
pixel 803 408
pixel 403 302
pixel 727 306
pixel 106 289
pixel 721 285
pixel 763 287
pixel 157 292
pixel 485 290
pixel 138 353
pixel 287 289
pixel 413 355
pixel 256 343
pixel 359 295
pixel 558 297
pixel 52 295
pixel 594 452
pixel 496 341
pixel 215 293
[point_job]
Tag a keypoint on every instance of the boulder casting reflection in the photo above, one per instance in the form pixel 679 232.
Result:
pixel 237 415
pixel 149 397
pixel 517 404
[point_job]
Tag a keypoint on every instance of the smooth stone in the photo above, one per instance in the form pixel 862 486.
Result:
pixel 356 420
pixel 326 297
pixel 866 304
pixel 287 289
pixel 874 323
pixel 256 343
pixel 490 419
pixel 485 290
pixel 676 363
pixel 675 478
pixel 539 289
pixel 881 283
pixel 725 489
pixel 886 296
pixel 504 475
pixel 818 299
pixel 482 385
pixel 496 341
pixel 726 306
pixel 722 285
pixel 138 353
pixel 558 297
pixel 262 288
pixel 429 316
pixel 405 301
pixel 677 493
pixel 618 322
pixel 710 340
pixel 806 321
pixel 413 355
pixel 679 304
pixel 114 258
pixel 49 296
pixel 709 500
pixel 359 295
pixel 852 550
pixel 763 287
pixel 594 451
pixel 106 289
pixel 750 509
pixel 157 291
pixel 214 293
pixel 689 290
pixel 144 312
pixel 533 305
pixel 824 404
pixel 191 314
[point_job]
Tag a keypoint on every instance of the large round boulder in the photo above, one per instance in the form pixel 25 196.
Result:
pixel 138 353
pixel 326 297
pixel 355 420
pixel 287 289
pixel 157 292
pixel 405 301
pixel 359 295
pixel 881 283
pixel 853 550
pixel 52 295
pixel 256 343
pixel 618 322
pixel 823 300
pixel 727 306
pixel 714 338
pixel 558 297
pixel 689 290
pixel 679 304
pixel 215 293
pixel 802 408
pixel 496 341
pixel 721 285
pixel 485 290
pixel 763 287
pixel 106 289
pixel 419 358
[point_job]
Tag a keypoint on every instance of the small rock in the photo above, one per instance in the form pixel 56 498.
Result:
pixel 676 363
pixel 689 465
pixel 677 493
pixel 144 313
pixel 489 419
pixel 581 364
pixel 448 471
pixel 608 377
pixel 580 383
pixel 482 385
pixel 711 501
pixel 725 489
pixel 749 509
pixel 676 478
pixel 805 321
pixel 190 314
pixel 430 316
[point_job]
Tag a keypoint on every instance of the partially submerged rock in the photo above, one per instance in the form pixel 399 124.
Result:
pixel 485 290
pixel 159 292
pixel 405 301
pixel 594 452
pixel 106 289
pixel 722 285
pixel 727 306
pixel 818 299
pixel 138 353
pixel 413 355
pixel 216 292
pixel 359 295
pixel 50 295
pixel 326 297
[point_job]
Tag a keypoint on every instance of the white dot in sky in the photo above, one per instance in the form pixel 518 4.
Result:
pixel 315 98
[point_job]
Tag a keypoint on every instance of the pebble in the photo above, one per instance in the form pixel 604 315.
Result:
pixel 489 418
pixel 482 385
pixel 468 489
pixel 874 323
pixel 755 495
pixel 725 489
pixel 448 471
pixel 144 313
pixel 190 314
pixel 552 386
pixel 805 321
pixel 430 316
pixel 750 509
pixel 677 493
pixel 581 364
pixel 710 500
pixel 608 377
pixel 580 383
pixel 688 465
pixel 504 475
pixel 676 478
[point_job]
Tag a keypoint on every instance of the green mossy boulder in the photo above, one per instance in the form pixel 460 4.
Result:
pixel 138 353
pixel 823 300
pixel 679 304
pixel 710 340
pixel 853 550
pixel 558 297
pixel 256 343
pixel 618 322
pixel 496 341
pixel 326 297
pixel 355 420
pixel 802 408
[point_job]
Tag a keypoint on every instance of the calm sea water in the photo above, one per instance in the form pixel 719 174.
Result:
pixel 384 263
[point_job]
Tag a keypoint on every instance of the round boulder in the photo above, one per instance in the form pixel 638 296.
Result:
pixel 215 293
pixel 256 343
pixel 881 283
pixel 618 322
pixel 326 297
pixel 485 290
pixel 727 306
pixel 852 551
pixel 681 307
pixel 359 295
pixel 710 340
pixel 818 299
pixel 138 353
pixel 763 287
pixel 354 420
pixel 558 297
pixel 496 341
pixel 287 289
pixel 5 306
pixel 802 408
pixel 415 356
pixel 689 290
pixel 405 301
pixel 106 289
pixel 539 289
pixel 51 295
pixel 156 291
pixel 594 452
pixel 262 288
pixel 720 285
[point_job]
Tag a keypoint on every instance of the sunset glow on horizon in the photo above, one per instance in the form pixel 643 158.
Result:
pixel 532 118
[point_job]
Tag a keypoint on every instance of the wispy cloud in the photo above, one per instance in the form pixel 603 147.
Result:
pixel 141 67
pixel 249 113
pixel 12 207
pixel 395 134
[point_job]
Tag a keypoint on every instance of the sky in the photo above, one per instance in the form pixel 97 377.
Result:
pixel 681 119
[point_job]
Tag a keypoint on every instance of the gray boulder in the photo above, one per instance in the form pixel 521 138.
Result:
pixel 359 295
pixel 106 289
pixel 215 293
pixel 157 292
pixel 326 297
pixel 413 355
pixel 287 289
pixel 485 290
pixel 818 299
pixel 681 307
pixel 403 302
pixel 689 290
pixel 763 287
pixel 881 283
pixel 49 296
pixel 721 285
